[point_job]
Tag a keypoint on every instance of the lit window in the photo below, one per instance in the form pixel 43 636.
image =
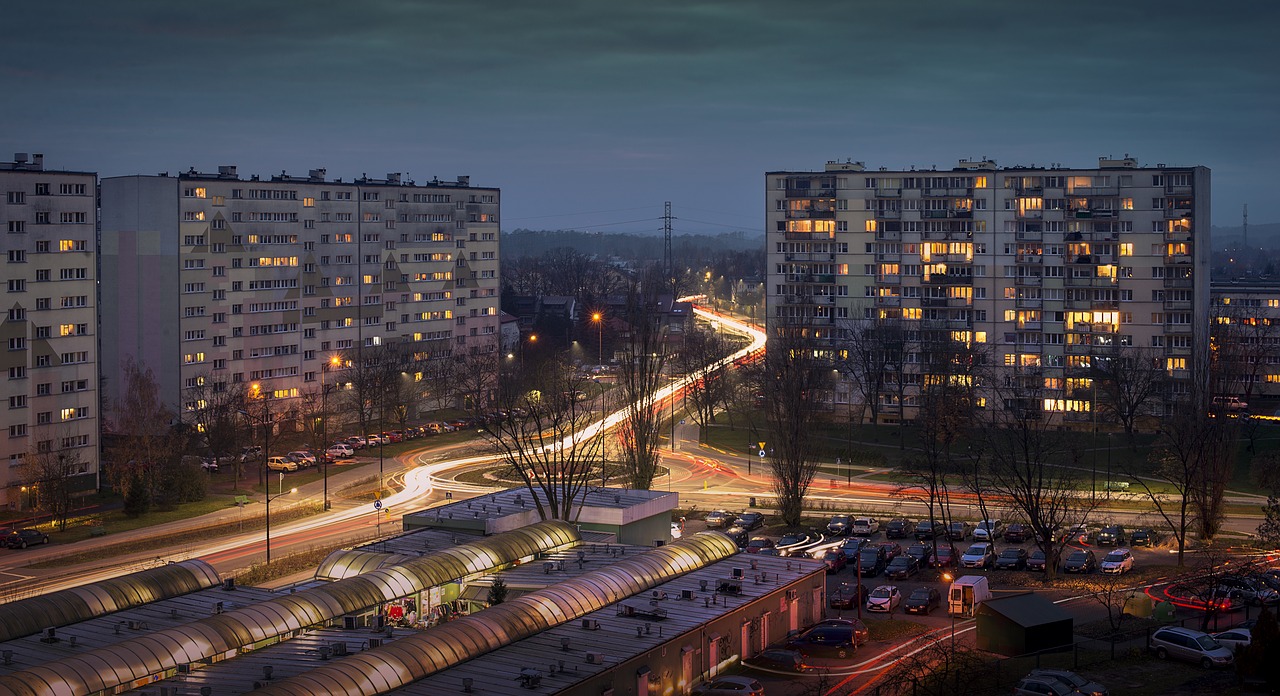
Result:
pixel 67 329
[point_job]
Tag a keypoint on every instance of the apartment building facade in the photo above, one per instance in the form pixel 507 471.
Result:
pixel 1040 267
pixel 50 423
pixel 262 281
pixel 1245 330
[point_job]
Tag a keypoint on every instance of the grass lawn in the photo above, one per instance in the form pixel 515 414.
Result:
pixel 79 528
pixel 892 629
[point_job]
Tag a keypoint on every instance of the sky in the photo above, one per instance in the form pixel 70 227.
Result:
pixel 589 114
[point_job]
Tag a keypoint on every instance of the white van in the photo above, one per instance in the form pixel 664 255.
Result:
pixel 966 594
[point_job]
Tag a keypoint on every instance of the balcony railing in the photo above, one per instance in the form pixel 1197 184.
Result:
pixel 811 193
pixel 1030 258
pixel 1027 280
pixel 1028 303
pixel 1179 282
pixel 1177 304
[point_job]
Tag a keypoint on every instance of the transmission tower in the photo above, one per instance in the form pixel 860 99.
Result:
pixel 1244 233
pixel 668 262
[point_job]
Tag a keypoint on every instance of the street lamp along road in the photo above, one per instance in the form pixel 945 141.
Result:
pixel 334 361
pixel 598 319
pixel 269 499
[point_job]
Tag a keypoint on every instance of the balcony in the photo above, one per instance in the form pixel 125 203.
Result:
pixel 946 279
pixel 1172 190
pixel 1028 326
pixel 811 214
pixel 809 236
pixel 1102 213
pixel 887 214
pixel 1177 259
pixel 1027 280
pixel 959 324
pixel 888 236
pixel 1177 351
pixel 887 257
pixel 1030 214
pixel 1104 304
pixel 1179 283
pixel 1177 213
pixel 959 302
pixel 1030 258
pixel 889 193
pixel 811 193
pixel 1177 328
pixel 1030 236
pixel 889 278
pixel 1028 303
pixel 934 214
pixel 933 302
pixel 891 301
pixel 1178 236
pixel 1177 304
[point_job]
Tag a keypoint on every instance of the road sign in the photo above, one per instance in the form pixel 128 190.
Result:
pixel 762 454
pixel 377 505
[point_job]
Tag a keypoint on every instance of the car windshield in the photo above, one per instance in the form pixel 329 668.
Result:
pixel 1208 643
pixel 901 561
pixel 759 542
pixel 1037 554
pixel 870 554
pixel 1077 557
pixel 944 551
pixel 1116 557
pixel 1010 553
pixel 790 539
pixel 920 593
pixel 832 555
pixel 881 593
pixel 840 520
pixel 976 550
pixel 982 525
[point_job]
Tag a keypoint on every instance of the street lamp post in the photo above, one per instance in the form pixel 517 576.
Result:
pixel 269 499
pixel 255 390
pixel 947 577
pixel 334 361
pixel 599 322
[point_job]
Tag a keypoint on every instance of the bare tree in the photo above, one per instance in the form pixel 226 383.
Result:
pixel 1129 382
pixel 1112 592
pixel 51 470
pixel 940 667
pixel 543 439
pixel 869 353
pixel 216 416
pixel 711 390
pixel 640 376
pixel 475 380
pixel 147 440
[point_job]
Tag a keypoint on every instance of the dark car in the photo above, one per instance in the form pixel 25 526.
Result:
pixel 840 525
pixel 794 540
pixel 750 520
pixel 946 557
pixel 1081 561
pixel 899 528
pixel 1054 529
pixel 902 567
pixel 1016 533
pixel 719 519
pixel 1036 561
pixel 830 638
pixel 851 546
pixel 1111 535
pixel 781 660
pixel 835 560
pixel 959 531
pixel 923 553
pixel 1143 537
pixel 930 530
pixel 1012 558
pixel 922 600
pixel 22 538
pixel 738 535
pixel 758 544
pixel 871 561
pixel 892 549
pixel 849 596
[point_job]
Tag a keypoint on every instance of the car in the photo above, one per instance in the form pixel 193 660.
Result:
pixel 1036 560
pixel 750 520
pixel 340 451
pixel 739 536
pixel 926 531
pixel 1012 558
pixel 730 685
pixel 902 567
pixel 945 558
pixel 1081 561
pixel 769 552
pixel 1143 537
pixel 1079 534
pixel 250 453
pixel 923 553
pixel 1053 530
pixel 780 660
pixel 1041 686
pixel 1235 639
pixel 831 638
pixel 301 458
pixel 979 555
pixel 851 546
pixel 1111 535
pixel 209 464
pixel 794 540
pixel 988 530
pixel 393 436
pixel 461 423
pixel 884 598
pixel 835 560
pixel 374 440
pixel 1117 562
pixel 1016 533
pixel 759 543
pixel 849 596
pixel 22 538
pixel 719 519
pixel 1244 590
pixel 840 525
pixel 864 526
pixel 959 531
pixel 899 528
pixel 922 600
pixel 892 549
pixel 1191 646
pixel 357 442
pixel 1080 685
pixel 677 530
pixel 281 464
pixel 871 561
pixel 1230 403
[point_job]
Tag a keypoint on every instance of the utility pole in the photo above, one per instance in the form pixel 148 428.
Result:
pixel 668 260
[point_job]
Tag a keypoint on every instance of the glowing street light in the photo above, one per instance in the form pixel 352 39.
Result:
pixel 599 322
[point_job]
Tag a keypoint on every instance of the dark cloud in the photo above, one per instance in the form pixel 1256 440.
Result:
pixel 575 105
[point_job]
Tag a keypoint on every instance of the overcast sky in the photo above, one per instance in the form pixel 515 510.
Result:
pixel 591 113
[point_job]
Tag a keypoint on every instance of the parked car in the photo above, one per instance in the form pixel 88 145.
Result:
pixel 340 451
pixel 849 596
pixel 393 436
pixel 1143 537
pixel 1079 534
pixel 301 458
pixel 1041 686
pixel 871 561
pixel 758 544
pixel 1012 558
pixel 750 520
pixel 959 531
pixel 865 526
pixel 794 540
pixel 1117 562
pixel 1111 535
pixel 1250 591
pixel 988 530
pixel 884 598
pixel 357 442
pixel 926 531
pixel 835 560
pixel 1191 646
pixel 719 519
pixel 1081 561
pixel 851 546
pixel 22 538
pixel 1016 533
pixel 1036 561
pixel 1230 403
pixel 1235 639
pixel 738 535
pixel 899 528
pixel 248 454
pixel 892 549
pixel 730 685
pixel 374 440
pixel 923 553
pixel 281 464
pixel 902 567
pixel 1075 681
pixel 840 525
pixel 209 464
pixel 978 555
pixel 946 557
pixel 1053 529
pixel 922 600
pixel 831 638
pixel 779 660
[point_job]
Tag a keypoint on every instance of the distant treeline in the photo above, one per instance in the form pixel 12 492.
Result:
pixel 688 248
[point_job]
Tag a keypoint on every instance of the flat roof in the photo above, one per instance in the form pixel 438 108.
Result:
pixel 512 508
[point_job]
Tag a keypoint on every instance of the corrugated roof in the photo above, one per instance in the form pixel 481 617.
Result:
pixel 1028 609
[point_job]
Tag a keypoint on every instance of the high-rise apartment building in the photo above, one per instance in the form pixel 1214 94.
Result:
pixel 1041 267
pixel 49 433
pixel 211 277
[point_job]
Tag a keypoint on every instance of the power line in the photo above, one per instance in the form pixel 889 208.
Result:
pixel 593 212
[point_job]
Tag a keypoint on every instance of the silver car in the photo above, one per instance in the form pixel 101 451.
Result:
pixel 1190 646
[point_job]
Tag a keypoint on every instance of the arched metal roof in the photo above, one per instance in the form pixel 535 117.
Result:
pixel 414 657
pixel 28 616
pixel 345 563
pixel 138 658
